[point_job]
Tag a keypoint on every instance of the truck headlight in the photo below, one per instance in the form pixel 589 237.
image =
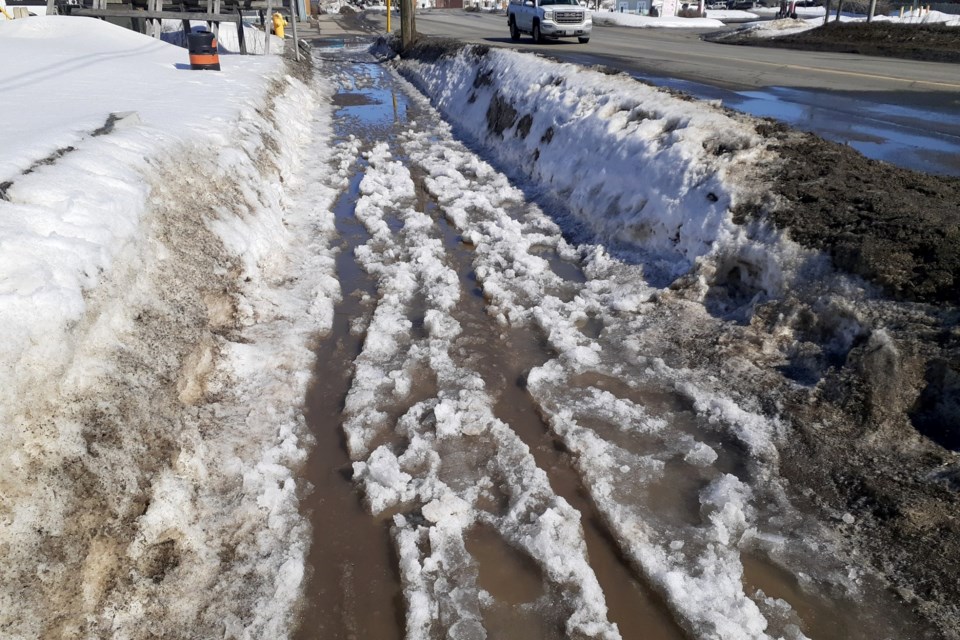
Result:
pixel 548 15
pixel 587 18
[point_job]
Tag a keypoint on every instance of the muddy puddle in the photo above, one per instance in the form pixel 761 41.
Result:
pixel 353 589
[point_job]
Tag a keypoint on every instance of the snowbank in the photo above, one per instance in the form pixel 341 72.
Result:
pixel 157 300
pixel 673 22
pixel 673 170
pixel 919 16
pixel 730 14
pixel 812 17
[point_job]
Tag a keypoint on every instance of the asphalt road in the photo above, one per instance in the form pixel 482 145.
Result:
pixel 681 53
pixel 902 111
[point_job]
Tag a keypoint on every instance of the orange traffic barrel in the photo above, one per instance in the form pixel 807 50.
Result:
pixel 203 50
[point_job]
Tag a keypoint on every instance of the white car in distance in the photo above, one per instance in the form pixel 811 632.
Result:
pixel 549 19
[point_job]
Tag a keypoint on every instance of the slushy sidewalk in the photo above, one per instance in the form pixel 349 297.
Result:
pixel 325 26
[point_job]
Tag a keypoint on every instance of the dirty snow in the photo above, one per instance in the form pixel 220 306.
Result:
pixel 813 17
pixel 156 335
pixel 436 572
pixel 618 19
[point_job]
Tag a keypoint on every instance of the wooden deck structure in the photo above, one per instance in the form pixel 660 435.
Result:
pixel 146 15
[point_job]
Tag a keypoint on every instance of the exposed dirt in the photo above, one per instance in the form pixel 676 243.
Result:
pixel 860 447
pixel 931 42
pixel 871 437
pixel 895 227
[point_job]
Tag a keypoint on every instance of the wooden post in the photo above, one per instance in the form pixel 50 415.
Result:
pixel 268 28
pixel 156 25
pixel 408 25
pixel 216 25
pixel 51 7
pixel 294 19
pixel 240 38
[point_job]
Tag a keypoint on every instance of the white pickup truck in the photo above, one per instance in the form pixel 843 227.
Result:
pixel 549 19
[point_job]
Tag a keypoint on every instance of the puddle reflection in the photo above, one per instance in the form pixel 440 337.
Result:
pixel 898 134
pixel 372 107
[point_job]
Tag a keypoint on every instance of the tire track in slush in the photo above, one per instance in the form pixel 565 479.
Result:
pixel 567 600
pixel 632 605
pixel 354 590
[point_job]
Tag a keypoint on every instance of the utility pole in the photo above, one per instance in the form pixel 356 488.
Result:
pixel 408 26
pixel 873 9
pixel 268 29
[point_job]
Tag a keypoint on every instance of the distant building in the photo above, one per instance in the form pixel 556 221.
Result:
pixel 639 7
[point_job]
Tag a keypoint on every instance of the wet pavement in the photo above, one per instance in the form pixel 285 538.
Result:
pixel 899 134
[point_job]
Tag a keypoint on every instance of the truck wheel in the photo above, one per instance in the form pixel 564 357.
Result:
pixel 514 32
pixel 537 36
pixel 583 40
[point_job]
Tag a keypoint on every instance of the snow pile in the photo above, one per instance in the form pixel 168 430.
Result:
pixel 919 16
pixel 156 336
pixel 812 17
pixel 661 193
pixel 802 12
pixel 618 19
pixel 730 14
pixel 779 27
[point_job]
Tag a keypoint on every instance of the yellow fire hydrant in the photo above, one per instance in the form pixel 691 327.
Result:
pixel 278 24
